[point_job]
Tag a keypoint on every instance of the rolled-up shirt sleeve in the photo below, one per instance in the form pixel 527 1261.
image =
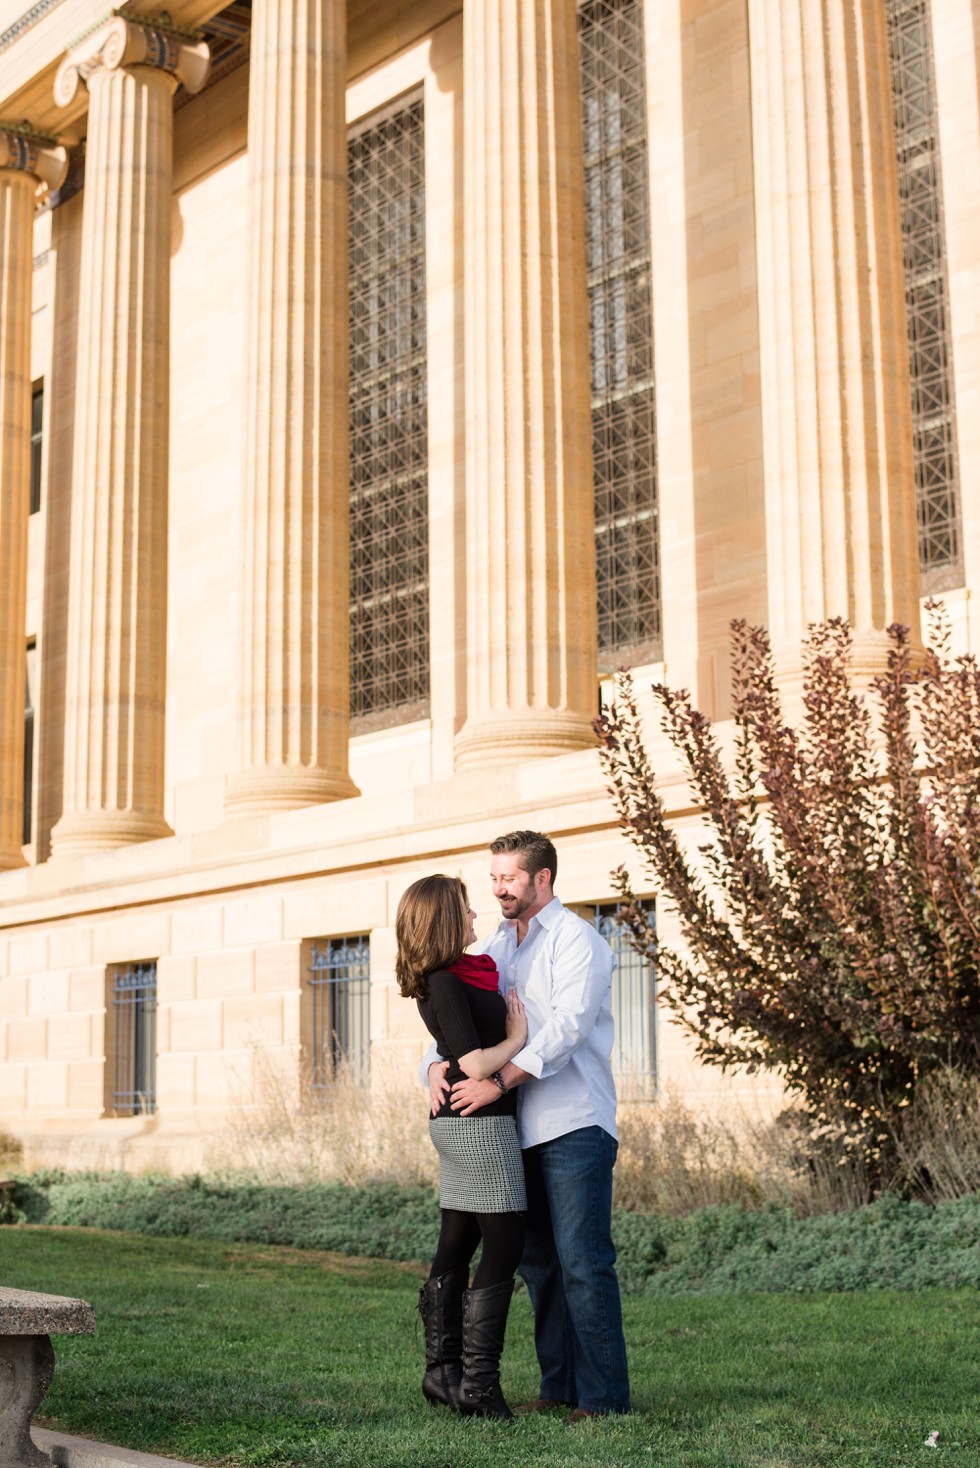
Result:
pixel 581 971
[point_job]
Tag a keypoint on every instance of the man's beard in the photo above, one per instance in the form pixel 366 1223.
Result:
pixel 522 904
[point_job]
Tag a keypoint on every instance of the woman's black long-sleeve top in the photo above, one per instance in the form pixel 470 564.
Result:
pixel 460 1018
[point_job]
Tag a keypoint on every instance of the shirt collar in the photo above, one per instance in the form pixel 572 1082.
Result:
pixel 548 916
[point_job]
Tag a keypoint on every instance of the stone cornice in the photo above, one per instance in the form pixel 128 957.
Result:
pixel 348 837
pixel 122 41
pixel 161 22
pixel 25 152
pixel 24 22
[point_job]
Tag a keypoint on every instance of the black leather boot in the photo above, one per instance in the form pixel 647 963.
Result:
pixel 441 1309
pixel 484 1323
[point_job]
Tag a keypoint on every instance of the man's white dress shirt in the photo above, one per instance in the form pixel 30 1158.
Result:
pixel 563 974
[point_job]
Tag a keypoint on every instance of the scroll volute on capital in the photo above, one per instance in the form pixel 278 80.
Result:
pixel 124 43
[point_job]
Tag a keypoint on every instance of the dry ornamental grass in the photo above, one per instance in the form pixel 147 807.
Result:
pixel 351 1134
pixel 673 1158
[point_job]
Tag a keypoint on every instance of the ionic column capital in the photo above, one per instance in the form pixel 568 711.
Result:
pixel 120 43
pixel 22 151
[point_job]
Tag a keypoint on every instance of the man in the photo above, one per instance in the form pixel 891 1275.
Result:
pixel 562 970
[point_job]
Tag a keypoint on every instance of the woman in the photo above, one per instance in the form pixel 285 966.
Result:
pixel 481 1180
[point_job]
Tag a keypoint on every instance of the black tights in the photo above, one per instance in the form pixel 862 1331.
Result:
pixel 503 1244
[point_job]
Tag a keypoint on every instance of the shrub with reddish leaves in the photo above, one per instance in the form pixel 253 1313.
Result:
pixel 832 923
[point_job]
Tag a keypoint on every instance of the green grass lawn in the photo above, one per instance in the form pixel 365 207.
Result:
pixel 255 1355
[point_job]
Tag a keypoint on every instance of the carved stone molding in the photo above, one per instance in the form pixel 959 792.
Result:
pixel 23 152
pixel 122 42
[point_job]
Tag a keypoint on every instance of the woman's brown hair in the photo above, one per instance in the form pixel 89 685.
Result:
pixel 430 926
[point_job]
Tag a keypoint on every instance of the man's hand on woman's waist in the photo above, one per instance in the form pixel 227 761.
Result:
pixel 469 1096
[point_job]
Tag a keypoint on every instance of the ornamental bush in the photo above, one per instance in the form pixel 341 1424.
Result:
pixel 832 924
pixel 380 1220
pixel 891 1244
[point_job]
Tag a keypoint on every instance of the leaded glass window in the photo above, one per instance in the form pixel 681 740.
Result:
pixel 926 292
pixel 340 985
pixel 617 221
pixel 37 440
pixel 389 528
pixel 30 699
pixel 133 1016
pixel 634 1056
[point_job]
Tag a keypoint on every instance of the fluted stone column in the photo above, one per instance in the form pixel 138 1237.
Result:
pixel 294 698
pixel 25 164
pixel 117 617
pixel 840 495
pixel 530 585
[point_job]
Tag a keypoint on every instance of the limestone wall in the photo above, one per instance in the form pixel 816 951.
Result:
pixel 228 905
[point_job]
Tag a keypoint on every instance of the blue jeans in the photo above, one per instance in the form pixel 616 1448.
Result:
pixel 568 1266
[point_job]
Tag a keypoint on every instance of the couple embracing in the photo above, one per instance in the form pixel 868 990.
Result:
pixel 524 1121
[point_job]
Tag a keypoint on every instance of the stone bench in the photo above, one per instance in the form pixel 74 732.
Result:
pixel 27 1321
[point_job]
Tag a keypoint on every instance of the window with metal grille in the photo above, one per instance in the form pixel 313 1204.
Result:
pixel 37 436
pixel 634 1057
pixel 31 684
pixel 340 987
pixel 133 1041
pixel 389 520
pixel 926 292
pixel 617 223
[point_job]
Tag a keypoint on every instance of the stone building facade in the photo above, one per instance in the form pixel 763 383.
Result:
pixel 377 377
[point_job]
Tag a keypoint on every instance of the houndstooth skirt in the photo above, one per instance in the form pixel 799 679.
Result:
pixel 481 1170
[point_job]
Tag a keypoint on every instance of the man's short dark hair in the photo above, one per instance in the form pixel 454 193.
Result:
pixel 534 849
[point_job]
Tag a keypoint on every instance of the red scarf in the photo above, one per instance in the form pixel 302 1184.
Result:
pixel 477 969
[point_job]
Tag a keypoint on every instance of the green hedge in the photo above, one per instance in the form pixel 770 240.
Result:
pixel 379 1222
pixel 889 1244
